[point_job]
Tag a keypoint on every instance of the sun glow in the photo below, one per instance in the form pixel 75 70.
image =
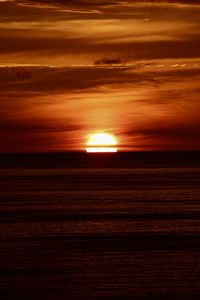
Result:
pixel 101 142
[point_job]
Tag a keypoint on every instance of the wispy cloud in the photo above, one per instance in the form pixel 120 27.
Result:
pixel 29 35
pixel 71 67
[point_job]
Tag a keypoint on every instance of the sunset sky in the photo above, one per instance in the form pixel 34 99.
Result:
pixel 69 68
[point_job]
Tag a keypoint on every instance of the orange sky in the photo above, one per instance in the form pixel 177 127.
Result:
pixel 131 69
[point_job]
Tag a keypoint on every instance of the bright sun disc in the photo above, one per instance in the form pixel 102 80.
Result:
pixel 101 142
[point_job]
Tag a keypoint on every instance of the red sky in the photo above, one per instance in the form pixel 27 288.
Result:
pixel 69 68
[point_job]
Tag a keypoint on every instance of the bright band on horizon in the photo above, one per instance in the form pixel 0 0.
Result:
pixel 101 142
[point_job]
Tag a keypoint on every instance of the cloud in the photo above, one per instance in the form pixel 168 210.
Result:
pixel 55 107
pixel 29 129
pixel 42 80
pixel 27 125
pixel 109 61
pixel 131 69
pixel 99 3
pixel 167 135
pixel 84 4
pixel 69 50
pixel 46 79
pixel 29 35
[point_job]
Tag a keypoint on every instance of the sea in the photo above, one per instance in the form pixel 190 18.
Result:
pixel 100 226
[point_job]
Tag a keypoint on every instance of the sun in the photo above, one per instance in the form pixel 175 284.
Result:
pixel 101 142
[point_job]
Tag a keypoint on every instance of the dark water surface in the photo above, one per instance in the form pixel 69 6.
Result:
pixel 123 226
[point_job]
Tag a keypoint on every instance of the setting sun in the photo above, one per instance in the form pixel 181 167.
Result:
pixel 101 142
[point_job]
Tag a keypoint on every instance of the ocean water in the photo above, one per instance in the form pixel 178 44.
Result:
pixel 74 226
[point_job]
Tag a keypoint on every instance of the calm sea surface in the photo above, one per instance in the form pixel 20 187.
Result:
pixel 111 227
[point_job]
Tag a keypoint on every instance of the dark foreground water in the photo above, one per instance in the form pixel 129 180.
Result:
pixel 117 226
